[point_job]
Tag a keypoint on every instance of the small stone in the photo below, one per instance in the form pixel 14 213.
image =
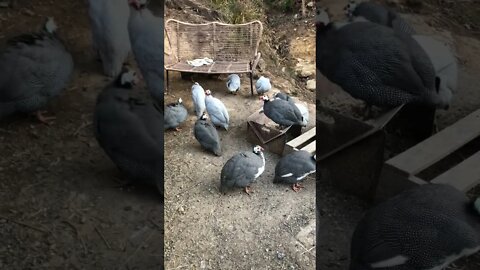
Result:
pixel 310 4
pixel 311 85
pixel 280 255
pixel 203 265
pixel 181 210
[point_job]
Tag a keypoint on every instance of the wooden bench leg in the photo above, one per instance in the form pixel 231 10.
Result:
pixel 251 82
pixel 166 90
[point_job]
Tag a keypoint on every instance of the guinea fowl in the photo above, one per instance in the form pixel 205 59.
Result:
pixel 263 85
pixel 294 167
pixel 146 37
pixel 207 135
pixel 130 131
pixel 282 112
pixel 233 83
pixel 217 111
pixel 198 96
pixel 378 65
pixel 242 170
pixel 380 14
pixel 426 227
pixel 109 23
pixel 303 110
pixel 34 68
pixel 175 114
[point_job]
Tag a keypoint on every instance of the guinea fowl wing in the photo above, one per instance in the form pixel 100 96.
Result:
pixel 383 61
pixel 206 133
pixel 28 70
pixel 124 133
pixel 435 227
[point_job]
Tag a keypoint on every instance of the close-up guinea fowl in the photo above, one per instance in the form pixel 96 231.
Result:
pixel 198 96
pixel 109 24
pixel 146 37
pixel 426 227
pixel 233 83
pixel 130 131
pixel 175 114
pixel 378 13
pixel 263 85
pixel 34 68
pixel 378 65
pixel 242 170
pixel 217 111
pixel 282 112
pixel 294 167
pixel 207 135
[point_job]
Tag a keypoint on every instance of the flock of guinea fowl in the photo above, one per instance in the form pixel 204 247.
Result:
pixel 375 56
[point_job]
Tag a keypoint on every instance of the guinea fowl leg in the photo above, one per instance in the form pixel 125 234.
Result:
pixel 296 187
pixel 248 190
pixel 177 129
pixel 44 119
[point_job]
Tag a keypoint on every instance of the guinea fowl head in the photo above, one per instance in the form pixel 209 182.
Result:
pixel 350 7
pixel 204 116
pixel 180 101
pixel 50 26
pixel 321 19
pixel 265 98
pixel 208 92
pixel 257 149
pixel 442 96
pixel 127 78
pixel 138 4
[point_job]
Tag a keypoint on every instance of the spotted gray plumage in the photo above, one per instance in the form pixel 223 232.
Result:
pixel 382 15
pixel 207 135
pixel 294 167
pixel 109 25
pixel 378 65
pixel 130 131
pixel 282 112
pixel 34 68
pixel 175 114
pixel 284 96
pixel 421 228
pixel 146 37
pixel 242 169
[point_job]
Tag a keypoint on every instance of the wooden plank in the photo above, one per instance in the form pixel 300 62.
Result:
pixel 302 138
pixel 311 147
pixel 464 176
pixel 438 146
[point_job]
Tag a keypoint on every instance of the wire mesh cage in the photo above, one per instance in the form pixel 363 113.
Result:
pixel 235 45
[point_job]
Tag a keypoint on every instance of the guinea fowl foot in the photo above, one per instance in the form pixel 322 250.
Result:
pixel 248 190
pixel 296 187
pixel 44 119
pixel 177 129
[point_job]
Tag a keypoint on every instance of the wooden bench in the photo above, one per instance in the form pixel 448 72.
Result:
pixel 232 47
pixel 438 159
pixel 306 141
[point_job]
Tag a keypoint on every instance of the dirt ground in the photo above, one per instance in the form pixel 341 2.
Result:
pixel 62 203
pixel 273 228
pixel 339 212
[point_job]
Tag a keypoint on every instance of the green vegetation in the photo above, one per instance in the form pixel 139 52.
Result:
pixel 236 12
pixel 241 11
